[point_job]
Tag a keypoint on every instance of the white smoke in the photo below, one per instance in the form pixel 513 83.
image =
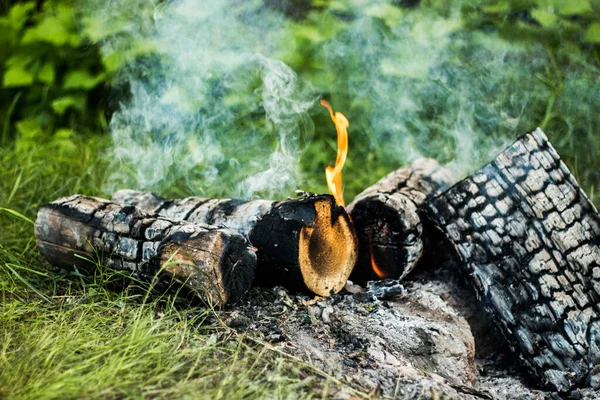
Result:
pixel 212 109
pixel 209 109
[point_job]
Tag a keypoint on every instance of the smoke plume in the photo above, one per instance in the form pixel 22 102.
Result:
pixel 223 99
pixel 209 111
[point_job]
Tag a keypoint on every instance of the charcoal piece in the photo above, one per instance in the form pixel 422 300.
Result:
pixel 529 239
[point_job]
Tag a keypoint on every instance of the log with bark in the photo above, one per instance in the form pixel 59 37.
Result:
pixel 387 221
pixel 217 265
pixel 306 243
pixel 529 239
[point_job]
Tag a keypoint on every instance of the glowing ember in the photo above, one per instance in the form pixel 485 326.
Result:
pixel 381 274
pixel 334 174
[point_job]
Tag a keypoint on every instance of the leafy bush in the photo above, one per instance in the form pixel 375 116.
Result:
pixel 52 77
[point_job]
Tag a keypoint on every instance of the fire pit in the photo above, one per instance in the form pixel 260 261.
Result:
pixel 520 230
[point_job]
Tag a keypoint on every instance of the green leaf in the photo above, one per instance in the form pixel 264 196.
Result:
pixel 98 27
pixel 81 79
pixel 19 13
pixel 17 76
pixel 544 17
pixel 390 14
pixel 592 34
pixel 65 15
pixel 501 7
pixel 62 140
pixel 114 61
pixel 312 33
pixel 47 73
pixel 62 104
pixel 30 133
pixel 63 134
pixel 574 7
pixel 8 33
pixel 50 30
pixel 19 60
pixel 28 128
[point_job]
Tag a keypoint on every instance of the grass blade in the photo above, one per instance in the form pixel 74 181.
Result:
pixel 15 187
pixel 26 283
pixel 17 214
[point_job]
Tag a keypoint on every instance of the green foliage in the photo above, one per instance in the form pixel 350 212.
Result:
pixel 557 23
pixel 569 30
pixel 51 76
pixel 488 71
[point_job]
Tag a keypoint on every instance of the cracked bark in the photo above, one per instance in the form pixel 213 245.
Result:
pixel 530 241
pixel 216 265
pixel 306 243
pixel 387 220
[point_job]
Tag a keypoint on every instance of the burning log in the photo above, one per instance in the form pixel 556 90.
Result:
pixel 216 265
pixel 530 240
pixel 301 243
pixel 387 221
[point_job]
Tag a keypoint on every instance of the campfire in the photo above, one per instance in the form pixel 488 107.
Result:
pixel 520 230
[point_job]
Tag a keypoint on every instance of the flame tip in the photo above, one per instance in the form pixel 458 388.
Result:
pixel 334 174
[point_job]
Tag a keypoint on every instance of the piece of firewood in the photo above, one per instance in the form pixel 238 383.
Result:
pixel 215 264
pixel 530 240
pixel 301 243
pixel 387 221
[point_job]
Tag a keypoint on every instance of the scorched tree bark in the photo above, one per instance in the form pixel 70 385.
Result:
pixel 215 264
pixel 301 243
pixel 530 241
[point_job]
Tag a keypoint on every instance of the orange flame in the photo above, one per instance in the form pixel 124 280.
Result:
pixel 380 274
pixel 334 174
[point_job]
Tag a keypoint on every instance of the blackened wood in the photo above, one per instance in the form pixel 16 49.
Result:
pixel 530 241
pixel 306 243
pixel 387 221
pixel 217 265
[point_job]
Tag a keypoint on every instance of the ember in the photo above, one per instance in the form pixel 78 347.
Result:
pixel 387 220
pixel 381 274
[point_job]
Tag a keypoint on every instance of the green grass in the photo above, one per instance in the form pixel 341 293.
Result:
pixel 493 75
pixel 63 336
pixel 75 346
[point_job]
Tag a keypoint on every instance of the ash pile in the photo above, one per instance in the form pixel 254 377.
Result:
pixel 487 288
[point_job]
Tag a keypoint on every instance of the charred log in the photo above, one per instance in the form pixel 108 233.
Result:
pixel 530 240
pixel 387 221
pixel 306 243
pixel 216 265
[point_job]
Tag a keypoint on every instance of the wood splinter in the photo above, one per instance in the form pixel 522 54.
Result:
pixel 306 243
pixel 217 265
pixel 387 221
